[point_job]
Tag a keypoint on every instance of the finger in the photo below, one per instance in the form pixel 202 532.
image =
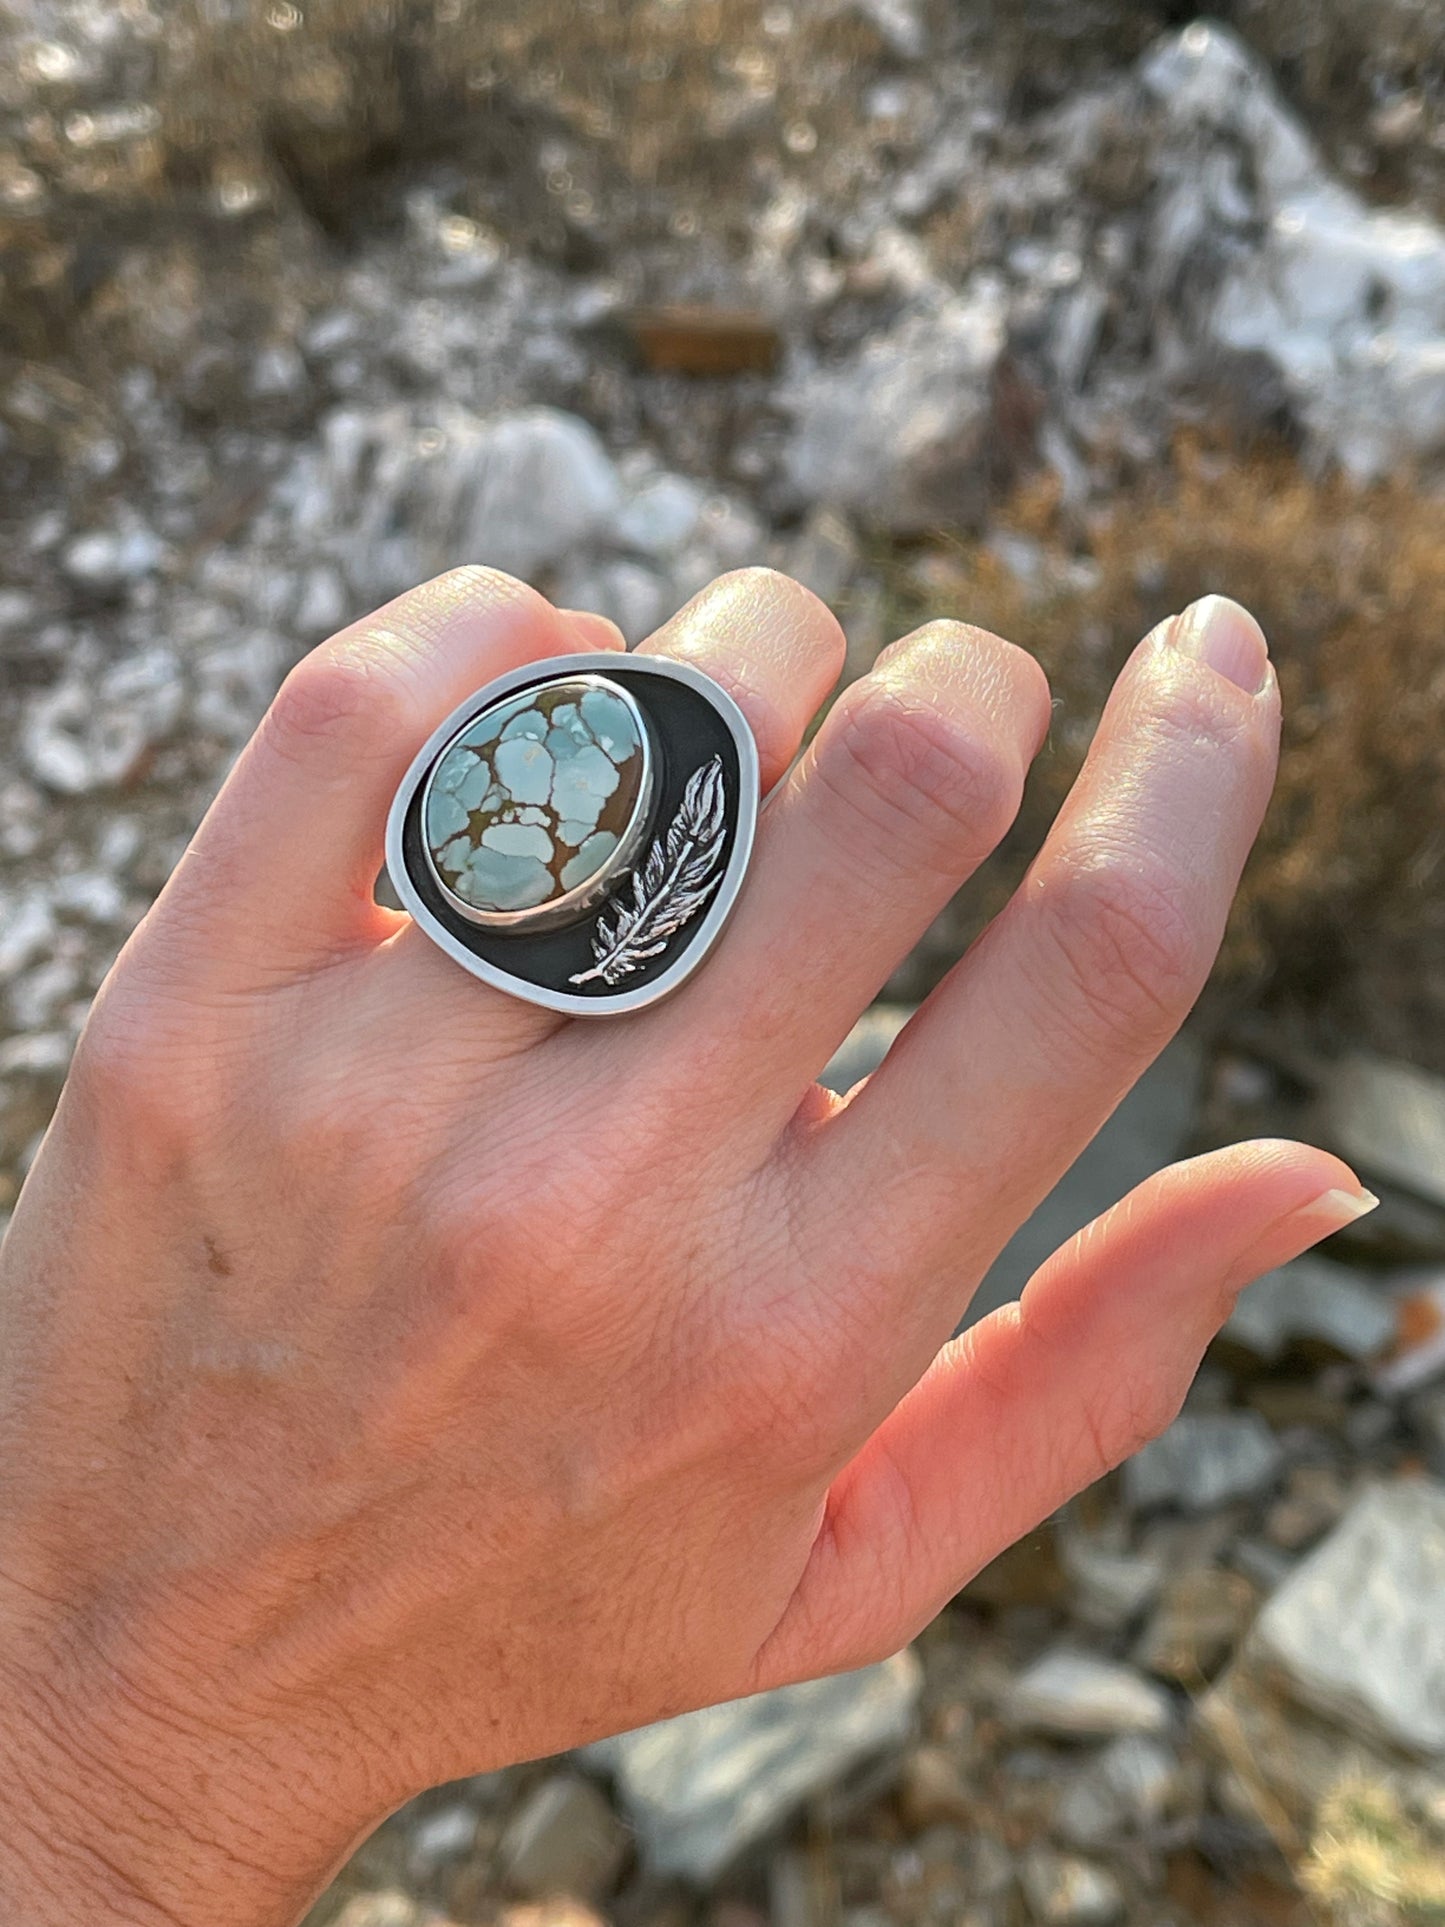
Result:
pixel 1046 1395
pixel 280 876
pixel 912 780
pixel 592 631
pixel 771 644
pixel 1009 1069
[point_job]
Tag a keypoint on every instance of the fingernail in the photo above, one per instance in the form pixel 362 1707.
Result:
pixel 1221 634
pixel 1333 1210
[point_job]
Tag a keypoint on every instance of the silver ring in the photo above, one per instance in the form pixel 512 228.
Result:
pixel 576 833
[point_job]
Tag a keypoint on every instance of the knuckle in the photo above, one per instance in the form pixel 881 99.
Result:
pixel 949 790
pixel 784 602
pixel 1129 1418
pixel 131 1075
pixel 470 580
pixel 942 647
pixel 1128 948
pixel 347 698
pixel 472 585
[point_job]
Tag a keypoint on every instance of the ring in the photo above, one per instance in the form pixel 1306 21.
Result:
pixel 576 833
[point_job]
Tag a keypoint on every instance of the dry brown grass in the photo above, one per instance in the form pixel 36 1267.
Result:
pixel 1343 905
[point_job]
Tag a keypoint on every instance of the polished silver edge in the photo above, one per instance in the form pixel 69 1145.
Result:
pixel 574 906
pixel 749 782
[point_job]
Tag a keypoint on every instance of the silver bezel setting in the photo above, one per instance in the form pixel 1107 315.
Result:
pixel 575 903
pixel 620 1002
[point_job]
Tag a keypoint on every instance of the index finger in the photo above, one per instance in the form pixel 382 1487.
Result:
pixel 281 873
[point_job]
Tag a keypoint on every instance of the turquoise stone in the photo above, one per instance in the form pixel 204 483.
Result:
pixel 531 802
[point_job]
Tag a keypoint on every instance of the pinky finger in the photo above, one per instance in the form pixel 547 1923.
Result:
pixel 1046 1395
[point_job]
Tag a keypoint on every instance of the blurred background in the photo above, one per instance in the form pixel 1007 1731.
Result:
pixel 1051 315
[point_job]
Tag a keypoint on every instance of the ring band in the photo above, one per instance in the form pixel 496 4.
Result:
pixel 577 832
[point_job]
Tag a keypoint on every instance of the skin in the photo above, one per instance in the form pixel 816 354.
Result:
pixel 397 1381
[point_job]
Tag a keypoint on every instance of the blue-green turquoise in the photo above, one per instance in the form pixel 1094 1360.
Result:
pixel 531 801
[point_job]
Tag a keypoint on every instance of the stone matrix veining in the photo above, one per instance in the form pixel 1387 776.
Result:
pixel 532 800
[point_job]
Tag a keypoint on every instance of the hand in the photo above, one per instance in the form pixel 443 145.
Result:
pixel 399 1380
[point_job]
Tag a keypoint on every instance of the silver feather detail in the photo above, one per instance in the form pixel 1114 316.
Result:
pixel 680 873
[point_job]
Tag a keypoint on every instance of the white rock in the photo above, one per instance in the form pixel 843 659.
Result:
pixel 107 558
pixel 702 1788
pixel 1074 1694
pixel 395 495
pixel 898 23
pixel 1346 301
pixel 1314 1301
pixel 1129 1786
pixel 1205 1460
pixel 1358 1631
pixel 1111 1589
pixel 27 928
pixel 16 610
pixel 92 894
pixel 43 1053
pixel 897 435
pixel 441 1836
pixel 90 734
pixel 659 516
pixel 824 555
pixel 235 680
pixel 389 1909
pixel 1389 1118
pixel 628 593
pixel 1064 1892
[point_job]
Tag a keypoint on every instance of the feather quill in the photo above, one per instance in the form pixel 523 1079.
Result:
pixel 680 873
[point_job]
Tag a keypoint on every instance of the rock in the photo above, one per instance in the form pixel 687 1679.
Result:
pixel 1312 1502
pixel 824 555
pixel 1281 1760
pixel 550 1913
pixel 395 495
pixel 1075 1695
pixel 898 435
pixel 1357 1634
pixel 659 515
pixel 1204 1460
pixel 563 1839
pixel 1027 1573
pixel 792 1891
pixel 1200 1619
pixel 1419 1355
pixel 383 1910
pixel 1263 1565
pixel 92 733
pixel 867 1045
pixel 701 1788
pixel 1146 1132
pixel 1111 1589
pixel 932 1790
pixel 1126 1789
pixel 1063 1891
pixel 1388 1119
pixel 110 558
pixel 438 1837
pixel 1346 303
pixel 1428 1418
pixel 632 594
pixel 1311 1312
pixel 897 22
